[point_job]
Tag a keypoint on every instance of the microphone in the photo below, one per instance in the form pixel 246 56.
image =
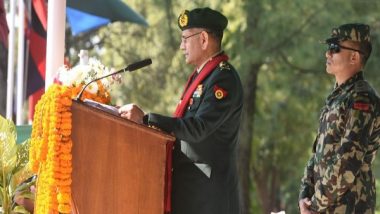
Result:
pixel 131 67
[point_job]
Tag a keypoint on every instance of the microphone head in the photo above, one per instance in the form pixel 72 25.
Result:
pixel 140 64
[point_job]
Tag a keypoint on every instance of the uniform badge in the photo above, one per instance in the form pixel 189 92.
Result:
pixel 361 106
pixel 183 19
pixel 220 93
pixel 199 91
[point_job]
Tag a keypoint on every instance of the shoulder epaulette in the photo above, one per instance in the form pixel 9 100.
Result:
pixel 362 90
pixel 362 86
pixel 224 66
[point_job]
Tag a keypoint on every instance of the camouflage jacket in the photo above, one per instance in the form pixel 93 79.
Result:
pixel 338 177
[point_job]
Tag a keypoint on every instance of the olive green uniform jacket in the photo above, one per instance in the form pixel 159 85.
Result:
pixel 204 160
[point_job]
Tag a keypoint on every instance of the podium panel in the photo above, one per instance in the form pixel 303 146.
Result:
pixel 118 166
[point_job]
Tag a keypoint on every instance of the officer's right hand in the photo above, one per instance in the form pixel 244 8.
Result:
pixel 132 112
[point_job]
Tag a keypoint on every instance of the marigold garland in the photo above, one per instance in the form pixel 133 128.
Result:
pixel 50 150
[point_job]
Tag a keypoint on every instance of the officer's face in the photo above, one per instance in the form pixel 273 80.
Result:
pixel 190 45
pixel 338 61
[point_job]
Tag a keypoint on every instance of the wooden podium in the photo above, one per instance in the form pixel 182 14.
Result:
pixel 118 166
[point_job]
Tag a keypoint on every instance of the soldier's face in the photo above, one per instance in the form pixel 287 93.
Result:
pixel 190 45
pixel 338 62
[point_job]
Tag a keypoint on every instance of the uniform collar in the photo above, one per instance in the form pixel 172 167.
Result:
pixel 348 83
pixel 199 69
pixel 346 86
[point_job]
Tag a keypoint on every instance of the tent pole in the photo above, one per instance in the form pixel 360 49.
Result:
pixel 55 42
pixel 20 63
pixel 11 54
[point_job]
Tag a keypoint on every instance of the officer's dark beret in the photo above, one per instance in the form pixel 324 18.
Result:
pixel 202 18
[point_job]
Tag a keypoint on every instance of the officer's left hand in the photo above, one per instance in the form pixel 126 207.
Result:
pixel 304 205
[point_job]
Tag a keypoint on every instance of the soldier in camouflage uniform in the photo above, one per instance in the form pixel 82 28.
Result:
pixel 338 177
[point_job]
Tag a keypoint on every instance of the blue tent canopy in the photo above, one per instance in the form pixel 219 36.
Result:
pixel 85 15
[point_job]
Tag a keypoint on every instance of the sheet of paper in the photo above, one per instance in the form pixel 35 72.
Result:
pixel 110 109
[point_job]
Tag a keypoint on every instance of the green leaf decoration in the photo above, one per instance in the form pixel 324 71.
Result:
pixel 8 148
pixel 13 168
pixel 20 209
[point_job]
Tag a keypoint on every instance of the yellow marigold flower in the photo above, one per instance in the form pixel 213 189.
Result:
pixel 64 197
pixel 64 208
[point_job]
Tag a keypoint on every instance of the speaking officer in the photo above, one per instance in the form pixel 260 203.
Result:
pixel 338 177
pixel 206 121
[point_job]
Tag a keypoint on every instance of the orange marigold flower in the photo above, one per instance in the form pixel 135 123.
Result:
pixel 65 189
pixel 65 163
pixel 64 182
pixel 65 157
pixel 66 101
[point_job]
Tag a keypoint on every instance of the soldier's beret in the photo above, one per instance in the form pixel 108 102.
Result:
pixel 202 18
pixel 355 32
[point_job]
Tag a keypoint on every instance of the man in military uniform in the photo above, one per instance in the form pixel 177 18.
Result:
pixel 206 121
pixel 338 177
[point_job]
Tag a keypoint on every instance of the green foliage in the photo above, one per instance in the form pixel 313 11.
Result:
pixel 13 161
pixel 281 37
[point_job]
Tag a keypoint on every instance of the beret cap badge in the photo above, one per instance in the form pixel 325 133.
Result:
pixel 206 18
pixel 183 19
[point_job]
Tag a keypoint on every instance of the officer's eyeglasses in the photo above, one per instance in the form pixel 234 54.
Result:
pixel 335 48
pixel 184 38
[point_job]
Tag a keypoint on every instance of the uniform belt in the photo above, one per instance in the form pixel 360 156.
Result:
pixel 204 167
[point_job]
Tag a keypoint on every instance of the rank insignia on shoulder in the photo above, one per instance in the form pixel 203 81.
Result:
pixel 224 65
pixel 361 106
pixel 220 93
pixel 361 86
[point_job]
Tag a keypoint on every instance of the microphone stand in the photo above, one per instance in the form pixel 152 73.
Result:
pixel 99 78
pixel 131 67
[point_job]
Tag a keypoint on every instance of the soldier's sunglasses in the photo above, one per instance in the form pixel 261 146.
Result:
pixel 335 48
